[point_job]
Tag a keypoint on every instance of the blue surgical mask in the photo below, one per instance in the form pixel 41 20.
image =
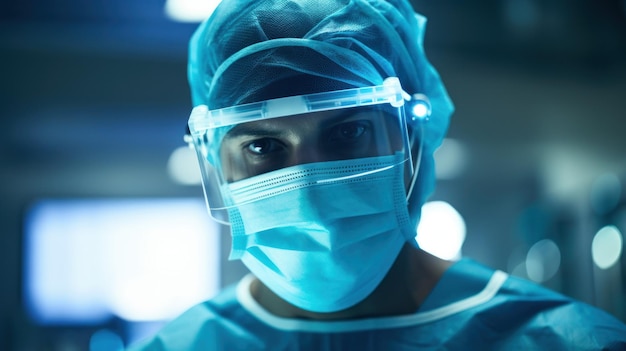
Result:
pixel 322 245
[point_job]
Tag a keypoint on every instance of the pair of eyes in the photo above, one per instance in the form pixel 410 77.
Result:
pixel 342 135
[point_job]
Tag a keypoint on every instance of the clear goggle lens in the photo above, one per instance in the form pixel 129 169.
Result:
pixel 246 141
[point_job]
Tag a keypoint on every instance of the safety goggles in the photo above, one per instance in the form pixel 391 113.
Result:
pixel 239 143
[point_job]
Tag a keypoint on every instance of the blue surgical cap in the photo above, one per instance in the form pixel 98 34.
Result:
pixel 253 50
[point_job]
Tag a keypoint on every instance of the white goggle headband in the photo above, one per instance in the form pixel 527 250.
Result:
pixel 203 119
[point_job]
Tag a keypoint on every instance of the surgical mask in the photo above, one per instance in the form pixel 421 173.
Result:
pixel 323 235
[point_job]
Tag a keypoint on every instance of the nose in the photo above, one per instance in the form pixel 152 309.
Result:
pixel 306 153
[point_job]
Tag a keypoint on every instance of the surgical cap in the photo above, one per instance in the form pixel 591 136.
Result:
pixel 253 50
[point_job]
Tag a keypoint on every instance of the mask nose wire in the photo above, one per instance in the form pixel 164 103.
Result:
pixel 417 162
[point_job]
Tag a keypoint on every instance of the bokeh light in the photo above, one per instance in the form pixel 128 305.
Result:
pixel 137 259
pixel 190 10
pixel 441 230
pixel 606 247
pixel 543 260
pixel 183 167
pixel 450 159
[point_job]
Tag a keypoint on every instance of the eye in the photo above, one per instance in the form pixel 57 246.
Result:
pixel 263 146
pixel 349 132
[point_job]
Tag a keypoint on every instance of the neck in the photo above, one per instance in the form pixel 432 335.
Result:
pixel 405 287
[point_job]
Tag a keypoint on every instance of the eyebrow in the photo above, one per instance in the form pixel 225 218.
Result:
pixel 265 128
pixel 352 114
pixel 255 130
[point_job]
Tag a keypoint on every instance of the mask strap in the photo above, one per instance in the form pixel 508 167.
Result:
pixel 417 162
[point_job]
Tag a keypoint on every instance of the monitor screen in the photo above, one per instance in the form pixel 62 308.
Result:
pixel 141 260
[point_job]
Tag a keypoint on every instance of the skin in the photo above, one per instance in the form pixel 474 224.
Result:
pixel 263 146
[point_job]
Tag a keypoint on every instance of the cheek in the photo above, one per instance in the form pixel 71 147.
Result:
pixel 228 162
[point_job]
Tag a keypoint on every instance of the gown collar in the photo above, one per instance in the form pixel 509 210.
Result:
pixel 464 285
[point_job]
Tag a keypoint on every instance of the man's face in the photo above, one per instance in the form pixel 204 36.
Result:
pixel 262 146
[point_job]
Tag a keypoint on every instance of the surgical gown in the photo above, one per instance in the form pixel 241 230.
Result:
pixel 471 308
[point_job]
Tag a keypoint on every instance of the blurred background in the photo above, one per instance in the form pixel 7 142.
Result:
pixel 104 232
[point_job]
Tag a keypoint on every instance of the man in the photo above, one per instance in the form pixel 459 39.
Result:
pixel 315 126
